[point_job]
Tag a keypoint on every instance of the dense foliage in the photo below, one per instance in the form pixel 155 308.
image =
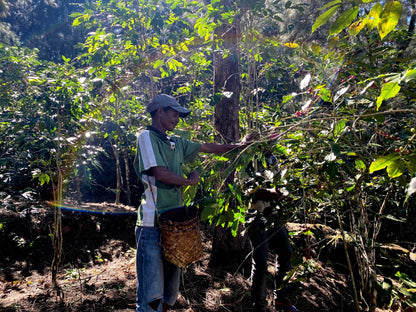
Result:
pixel 336 112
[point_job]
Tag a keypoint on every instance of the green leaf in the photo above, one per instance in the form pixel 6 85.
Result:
pixel 383 162
pixel 44 178
pixel 324 18
pixel 344 20
pixel 393 218
pixel 360 165
pixel 411 163
pixel 76 22
pixel 396 168
pixel 281 149
pixel 234 228
pixel 221 158
pixel 287 98
pixel 325 94
pixel 388 91
pixel 189 193
pixel 373 18
pixel 75 14
pixel 356 27
pixel 330 4
pixel 409 75
pixel 307 233
pixel 158 63
pixel 208 212
pixel 389 18
pixel 338 127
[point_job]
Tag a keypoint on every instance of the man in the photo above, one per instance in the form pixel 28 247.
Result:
pixel 267 234
pixel 158 164
pixel 263 240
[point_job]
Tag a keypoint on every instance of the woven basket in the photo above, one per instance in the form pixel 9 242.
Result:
pixel 180 235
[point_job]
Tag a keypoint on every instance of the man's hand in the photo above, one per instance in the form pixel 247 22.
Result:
pixel 216 148
pixel 193 178
pixel 166 176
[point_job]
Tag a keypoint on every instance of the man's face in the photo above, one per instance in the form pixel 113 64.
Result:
pixel 169 119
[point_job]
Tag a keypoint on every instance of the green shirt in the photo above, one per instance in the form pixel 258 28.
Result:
pixel 156 149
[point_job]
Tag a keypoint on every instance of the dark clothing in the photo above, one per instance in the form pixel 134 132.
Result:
pixel 263 240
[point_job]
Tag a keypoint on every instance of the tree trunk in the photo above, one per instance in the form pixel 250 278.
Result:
pixel 118 173
pixel 227 250
pixel 227 87
pixel 116 153
pixel 56 235
pixel 127 172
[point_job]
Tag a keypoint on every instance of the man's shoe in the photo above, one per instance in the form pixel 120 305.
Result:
pixel 284 304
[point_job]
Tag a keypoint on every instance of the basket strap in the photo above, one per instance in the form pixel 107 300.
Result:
pixel 153 195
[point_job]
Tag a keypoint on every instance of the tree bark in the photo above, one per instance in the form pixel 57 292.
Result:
pixel 118 173
pixel 127 172
pixel 227 86
pixel 227 250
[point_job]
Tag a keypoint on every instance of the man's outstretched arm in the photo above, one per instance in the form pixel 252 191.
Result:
pixel 216 148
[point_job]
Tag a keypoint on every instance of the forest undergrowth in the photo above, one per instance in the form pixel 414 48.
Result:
pixel 98 273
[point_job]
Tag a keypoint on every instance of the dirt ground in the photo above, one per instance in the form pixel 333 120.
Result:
pixel 98 269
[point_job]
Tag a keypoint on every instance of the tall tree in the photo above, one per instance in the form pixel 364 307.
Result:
pixel 226 89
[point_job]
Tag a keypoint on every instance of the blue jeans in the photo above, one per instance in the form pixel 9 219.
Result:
pixel 157 279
